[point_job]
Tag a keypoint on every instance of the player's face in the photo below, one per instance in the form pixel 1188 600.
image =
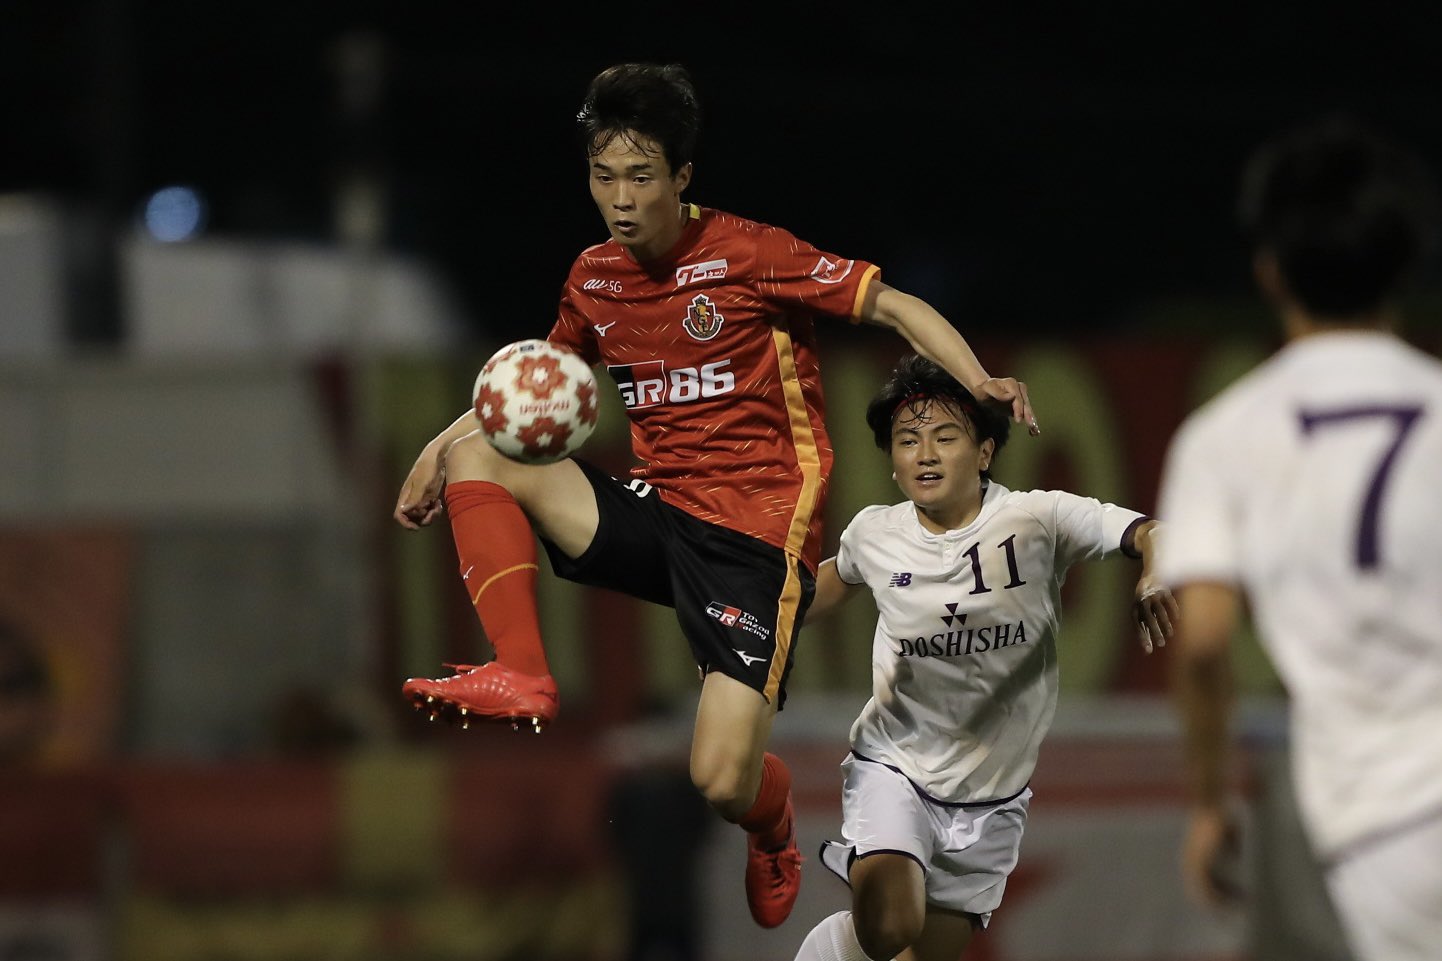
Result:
pixel 638 195
pixel 938 463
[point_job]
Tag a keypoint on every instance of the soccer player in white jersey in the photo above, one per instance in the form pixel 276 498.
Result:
pixel 1311 490
pixel 967 580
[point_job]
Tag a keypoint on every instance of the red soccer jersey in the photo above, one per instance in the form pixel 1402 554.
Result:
pixel 713 348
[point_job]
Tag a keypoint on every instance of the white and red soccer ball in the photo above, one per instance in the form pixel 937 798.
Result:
pixel 536 402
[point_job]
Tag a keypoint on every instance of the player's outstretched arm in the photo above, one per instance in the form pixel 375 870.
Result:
pixel 932 336
pixel 420 501
pixel 1154 607
pixel 831 590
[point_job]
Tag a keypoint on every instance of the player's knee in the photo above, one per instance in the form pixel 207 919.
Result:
pixel 885 934
pixel 726 787
pixel 472 458
pixel 888 913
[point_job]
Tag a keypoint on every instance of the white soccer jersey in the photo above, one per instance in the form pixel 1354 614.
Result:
pixel 1315 485
pixel 964 665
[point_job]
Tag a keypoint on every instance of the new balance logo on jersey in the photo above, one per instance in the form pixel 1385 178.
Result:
pixel 739 619
pixel 747 659
pixel 694 273
pixel 900 579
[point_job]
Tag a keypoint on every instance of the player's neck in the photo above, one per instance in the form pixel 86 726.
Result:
pixel 941 519
pixel 1298 324
pixel 662 246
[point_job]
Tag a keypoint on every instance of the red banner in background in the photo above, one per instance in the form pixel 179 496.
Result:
pixel 64 608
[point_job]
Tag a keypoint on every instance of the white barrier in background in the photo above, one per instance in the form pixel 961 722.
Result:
pixel 219 297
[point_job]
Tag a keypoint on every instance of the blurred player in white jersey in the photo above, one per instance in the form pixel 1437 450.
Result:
pixel 1311 492
pixel 967 580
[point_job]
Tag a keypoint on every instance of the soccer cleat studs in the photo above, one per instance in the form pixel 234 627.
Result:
pixel 491 692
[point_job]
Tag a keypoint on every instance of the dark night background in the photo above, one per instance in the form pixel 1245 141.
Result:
pixel 1052 170
pixel 197 527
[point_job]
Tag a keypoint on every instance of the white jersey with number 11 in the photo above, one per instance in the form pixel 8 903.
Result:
pixel 964 661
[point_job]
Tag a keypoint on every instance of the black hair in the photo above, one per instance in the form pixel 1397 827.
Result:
pixel 642 100
pixel 914 381
pixel 1349 214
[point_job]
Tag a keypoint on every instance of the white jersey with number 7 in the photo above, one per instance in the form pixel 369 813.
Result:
pixel 1315 485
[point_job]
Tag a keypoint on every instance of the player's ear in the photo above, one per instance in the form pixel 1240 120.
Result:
pixel 683 178
pixel 988 447
pixel 1267 272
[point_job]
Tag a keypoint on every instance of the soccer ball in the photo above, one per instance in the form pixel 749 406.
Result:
pixel 536 402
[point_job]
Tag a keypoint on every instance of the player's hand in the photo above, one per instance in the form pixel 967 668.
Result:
pixel 1156 613
pixel 420 500
pixel 1011 391
pixel 1211 858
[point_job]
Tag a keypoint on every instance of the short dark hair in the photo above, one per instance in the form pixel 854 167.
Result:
pixel 916 380
pixel 1349 214
pixel 651 100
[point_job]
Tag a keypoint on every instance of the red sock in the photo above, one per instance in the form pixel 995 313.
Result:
pixel 497 549
pixel 767 816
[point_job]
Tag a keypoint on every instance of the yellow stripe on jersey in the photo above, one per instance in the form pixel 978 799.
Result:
pixel 861 290
pixel 803 439
pixel 785 628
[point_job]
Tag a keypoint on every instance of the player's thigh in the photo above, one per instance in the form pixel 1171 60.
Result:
pixel 982 845
pixel 739 601
pixel 557 497
pixel 888 889
pixel 944 936
pixel 733 724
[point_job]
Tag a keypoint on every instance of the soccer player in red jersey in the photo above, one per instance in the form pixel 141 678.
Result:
pixel 705 321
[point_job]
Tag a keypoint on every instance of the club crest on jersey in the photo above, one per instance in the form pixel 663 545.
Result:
pixel 829 271
pixel 703 321
pixel 695 273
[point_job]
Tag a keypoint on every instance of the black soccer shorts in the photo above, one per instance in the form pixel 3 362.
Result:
pixel 739 600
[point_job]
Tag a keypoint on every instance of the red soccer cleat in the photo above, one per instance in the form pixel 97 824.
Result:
pixel 773 877
pixel 490 692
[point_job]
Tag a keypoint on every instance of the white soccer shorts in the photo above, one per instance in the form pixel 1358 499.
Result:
pixel 1388 893
pixel 966 853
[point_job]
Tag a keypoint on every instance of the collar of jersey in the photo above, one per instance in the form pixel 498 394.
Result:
pixel 989 497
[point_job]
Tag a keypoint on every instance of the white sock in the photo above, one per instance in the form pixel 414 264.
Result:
pixel 834 939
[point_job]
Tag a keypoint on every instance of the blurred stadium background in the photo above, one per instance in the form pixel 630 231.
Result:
pixel 250 258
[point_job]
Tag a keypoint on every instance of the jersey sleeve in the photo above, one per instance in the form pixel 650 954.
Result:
pixel 571 330
pixel 790 274
pixel 848 554
pixel 1199 538
pixel 1087 528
